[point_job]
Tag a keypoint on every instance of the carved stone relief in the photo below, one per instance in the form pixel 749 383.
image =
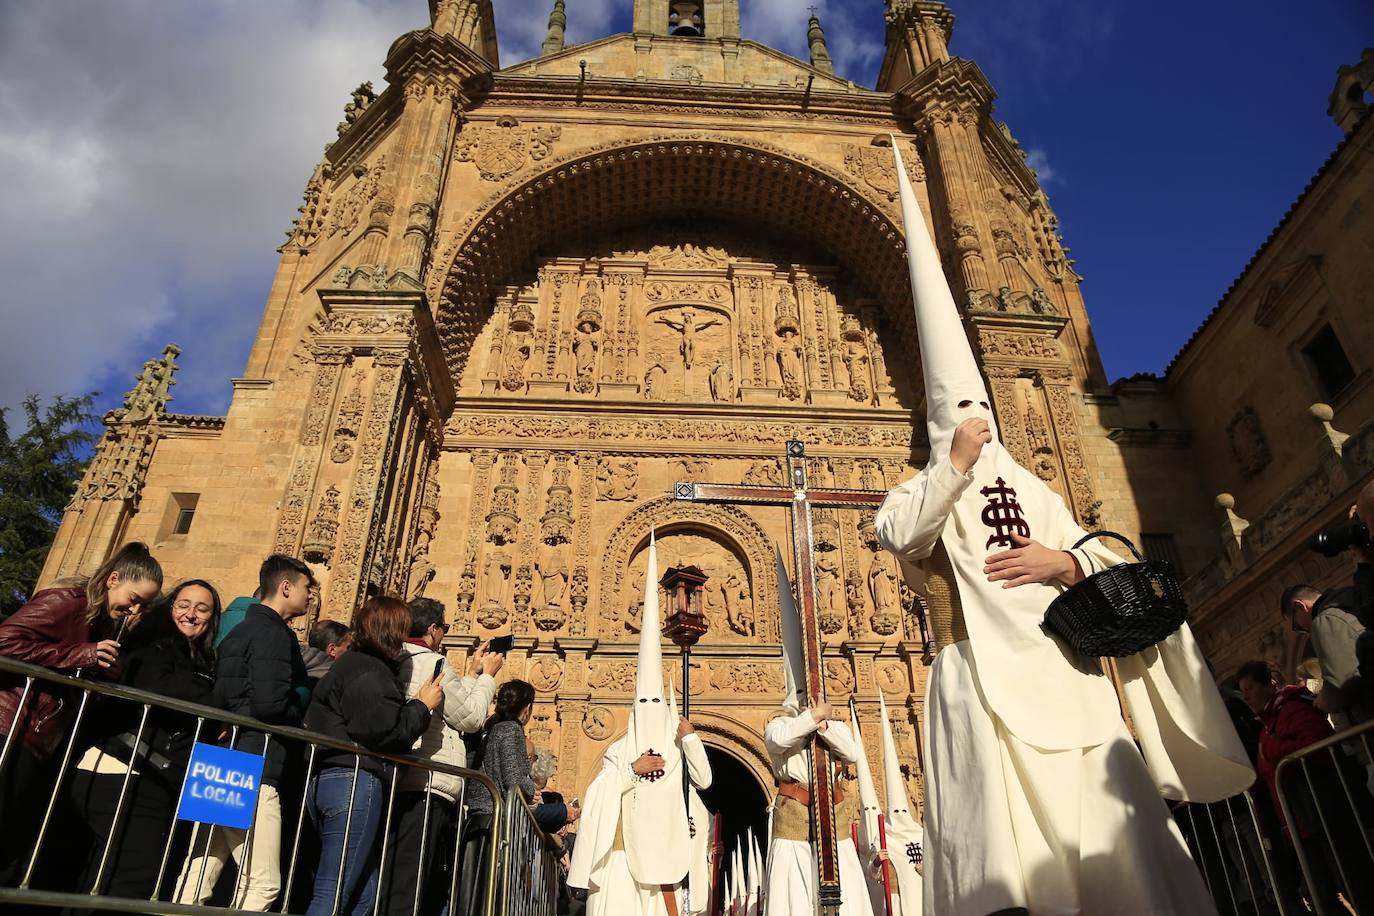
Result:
pixel 502 149
pixel 1249 446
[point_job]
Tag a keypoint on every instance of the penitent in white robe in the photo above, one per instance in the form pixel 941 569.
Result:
pixel 1036 796
pixel 604 870
pixel 791 880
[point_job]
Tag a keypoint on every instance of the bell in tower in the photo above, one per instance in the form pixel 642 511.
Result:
pixel 684 19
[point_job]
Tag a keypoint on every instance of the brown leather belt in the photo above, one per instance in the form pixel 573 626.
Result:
pixel 800 793
pixel 669 898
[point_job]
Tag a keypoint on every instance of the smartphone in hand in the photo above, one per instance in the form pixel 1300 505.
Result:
pixel 438 670
pixel 501 645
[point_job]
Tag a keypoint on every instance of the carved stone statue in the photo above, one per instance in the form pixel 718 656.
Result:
pixel 495 576
pixel 738 608
pixel 830 590
pixel 790 365
pixel 517 355
pixel 552 565
pixel 688 327
pixel 654 377
pixel 722 382
pixel 856 363
pixel 882 586
pixel 422 570
pixel 585 348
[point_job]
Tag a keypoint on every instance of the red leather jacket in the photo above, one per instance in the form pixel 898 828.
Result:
pixel 51 631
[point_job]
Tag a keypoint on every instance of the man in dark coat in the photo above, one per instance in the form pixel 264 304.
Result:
pixel 260 674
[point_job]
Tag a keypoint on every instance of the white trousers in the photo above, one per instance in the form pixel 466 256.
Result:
pixel 1057 832
pixel 259 881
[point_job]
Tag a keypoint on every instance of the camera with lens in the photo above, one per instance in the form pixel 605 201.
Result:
pixel 1330 542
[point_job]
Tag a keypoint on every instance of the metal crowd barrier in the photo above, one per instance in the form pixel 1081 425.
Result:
pixel 530 872
pixel 1236 850
pixel 521 863
pixel 1329 812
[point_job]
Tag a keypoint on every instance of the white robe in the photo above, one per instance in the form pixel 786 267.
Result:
pixel 1035 795
pixel 791 879
pixel 905 847
pixel 605 871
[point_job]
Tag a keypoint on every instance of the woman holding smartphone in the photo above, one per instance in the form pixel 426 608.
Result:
pixel 427 805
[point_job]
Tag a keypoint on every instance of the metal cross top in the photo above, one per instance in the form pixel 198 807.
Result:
pixel 800 502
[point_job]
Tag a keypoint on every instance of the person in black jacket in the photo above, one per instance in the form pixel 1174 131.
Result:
pixel 360 701
pixel 505 758
pixel 260 674
pixel 169 653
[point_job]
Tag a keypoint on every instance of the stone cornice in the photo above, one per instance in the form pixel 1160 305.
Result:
pixel 427 54
pixel 676 96
pixel 952 82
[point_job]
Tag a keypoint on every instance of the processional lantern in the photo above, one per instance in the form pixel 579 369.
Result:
pixel 685 626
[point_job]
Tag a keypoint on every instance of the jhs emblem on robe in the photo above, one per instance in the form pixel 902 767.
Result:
pixel 1003 515
pixel 913 854
pixel 654 775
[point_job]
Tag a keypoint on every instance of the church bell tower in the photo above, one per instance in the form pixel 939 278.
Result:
pixel 687 18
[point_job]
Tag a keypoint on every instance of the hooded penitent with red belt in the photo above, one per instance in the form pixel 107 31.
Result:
pixel 638 840
pixel 1036 796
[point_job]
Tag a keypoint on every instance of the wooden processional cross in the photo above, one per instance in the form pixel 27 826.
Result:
pixel 800 502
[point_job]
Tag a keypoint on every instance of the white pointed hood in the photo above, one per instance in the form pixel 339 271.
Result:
pixel 658 843
pixel 737 879
pixel 950 373
pixel 869 806
pixel 793 657
pixel 755 868
pixel 898 805
pixel 650 724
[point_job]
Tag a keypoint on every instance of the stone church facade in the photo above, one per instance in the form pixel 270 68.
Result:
pixel 519 304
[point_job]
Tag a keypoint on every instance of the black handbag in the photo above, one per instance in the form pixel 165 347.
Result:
pixel 1121 610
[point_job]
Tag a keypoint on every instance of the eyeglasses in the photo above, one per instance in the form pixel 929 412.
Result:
pixel 442 627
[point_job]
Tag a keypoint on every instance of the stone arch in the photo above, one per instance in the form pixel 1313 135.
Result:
pixel 600 188
pixel 665 513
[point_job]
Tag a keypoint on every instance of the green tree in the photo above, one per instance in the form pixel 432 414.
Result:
pixel 39 470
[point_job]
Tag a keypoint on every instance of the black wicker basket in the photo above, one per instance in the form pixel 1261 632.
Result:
pixel 1121 610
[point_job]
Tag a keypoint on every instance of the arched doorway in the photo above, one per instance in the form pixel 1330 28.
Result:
pixel 736 795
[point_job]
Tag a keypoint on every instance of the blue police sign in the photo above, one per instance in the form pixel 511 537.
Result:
pixel 221 787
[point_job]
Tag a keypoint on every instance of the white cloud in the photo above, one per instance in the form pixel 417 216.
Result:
pixel 853 32
pixel 1040 161
pixel 154 152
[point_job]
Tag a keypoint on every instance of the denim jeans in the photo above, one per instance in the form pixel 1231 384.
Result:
pixel 328 799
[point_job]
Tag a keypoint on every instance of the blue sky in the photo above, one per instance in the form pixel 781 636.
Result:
pixel 1170 147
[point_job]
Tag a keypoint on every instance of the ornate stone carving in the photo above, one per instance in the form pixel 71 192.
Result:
pixel 503 517
pixel 598 723
pixel 830 597
pixel 878 168
pixel 1020 346
pixel 344 217
pixel 544 673
pixel 1249 446
pixel 747 677
pixel 615 677
pixel 617 479
pixel 574 427
pixel 687 256
pixel 467 588
pixel 839 678
pixel 361 99
pixel 502 149
pixel 892 678
pixel 349 420
pixel 422 568
pixel 324 528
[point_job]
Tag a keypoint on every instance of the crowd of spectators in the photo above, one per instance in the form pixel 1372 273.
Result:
pixel 384 684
